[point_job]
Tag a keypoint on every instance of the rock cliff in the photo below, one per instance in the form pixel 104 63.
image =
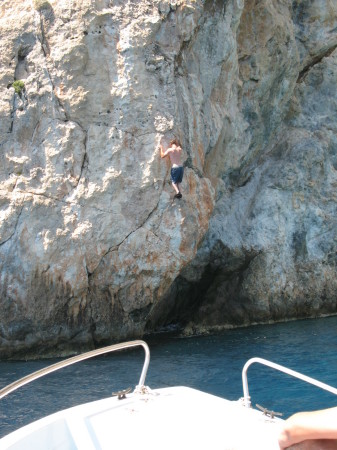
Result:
pixel 93 247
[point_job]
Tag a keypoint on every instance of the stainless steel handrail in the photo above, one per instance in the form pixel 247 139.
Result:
pixel 67 362
pixel 246 397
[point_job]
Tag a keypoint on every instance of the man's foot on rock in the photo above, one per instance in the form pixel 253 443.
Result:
pixel 178 195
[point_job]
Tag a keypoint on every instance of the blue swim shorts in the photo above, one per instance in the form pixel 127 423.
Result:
pixel 177 174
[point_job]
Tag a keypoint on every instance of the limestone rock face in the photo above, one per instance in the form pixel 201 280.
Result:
pixel 271 248
pixel 93 247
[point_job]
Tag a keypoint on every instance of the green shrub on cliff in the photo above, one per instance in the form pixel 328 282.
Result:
pixel 39 5
pixel 19 87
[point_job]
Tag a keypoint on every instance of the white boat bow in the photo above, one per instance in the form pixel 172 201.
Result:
pixel 168 418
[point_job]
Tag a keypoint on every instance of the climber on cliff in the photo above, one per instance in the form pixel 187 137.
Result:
pixel 174 151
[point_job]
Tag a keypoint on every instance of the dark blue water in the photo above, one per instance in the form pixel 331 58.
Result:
pixel 212 364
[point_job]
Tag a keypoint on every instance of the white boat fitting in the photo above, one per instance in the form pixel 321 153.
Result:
pixel 169 418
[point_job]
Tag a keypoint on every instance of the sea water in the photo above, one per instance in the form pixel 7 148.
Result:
pixel 209 363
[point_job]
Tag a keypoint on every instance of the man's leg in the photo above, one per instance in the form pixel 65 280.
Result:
pixel 176 187
pixel 176 177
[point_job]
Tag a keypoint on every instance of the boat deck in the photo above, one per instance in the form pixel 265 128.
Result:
pixel 170 418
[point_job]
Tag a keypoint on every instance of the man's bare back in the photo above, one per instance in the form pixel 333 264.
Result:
pixel 174 152
pixel 175 155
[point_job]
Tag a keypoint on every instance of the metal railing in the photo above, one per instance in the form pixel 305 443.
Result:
pixel 293 373
pixel 67 362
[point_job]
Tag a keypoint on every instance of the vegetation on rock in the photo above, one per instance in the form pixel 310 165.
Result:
pixel 39 5
pixel 19 87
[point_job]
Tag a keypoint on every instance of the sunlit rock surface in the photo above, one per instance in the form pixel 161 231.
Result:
pixel 93 247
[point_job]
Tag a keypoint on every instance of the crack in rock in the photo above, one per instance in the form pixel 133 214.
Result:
pixel 15 228
pixel 316 60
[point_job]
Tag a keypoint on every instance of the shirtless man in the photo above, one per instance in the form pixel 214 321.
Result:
pixel 174 151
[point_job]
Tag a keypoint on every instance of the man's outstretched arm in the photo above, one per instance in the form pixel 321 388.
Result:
pixel 309 425
pixel 164 153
